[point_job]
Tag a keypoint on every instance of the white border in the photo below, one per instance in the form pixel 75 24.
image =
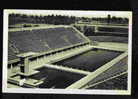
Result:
pixel 62 91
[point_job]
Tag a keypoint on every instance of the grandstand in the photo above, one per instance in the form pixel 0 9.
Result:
pixel 60 57
pixel 115 83
pixel 40 40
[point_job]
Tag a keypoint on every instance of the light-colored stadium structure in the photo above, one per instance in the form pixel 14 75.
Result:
pixel 63 57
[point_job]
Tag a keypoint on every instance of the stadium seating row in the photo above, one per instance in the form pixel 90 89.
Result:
pixel 40 40
pixel 118 83
pixel 11 54
pixel 116 69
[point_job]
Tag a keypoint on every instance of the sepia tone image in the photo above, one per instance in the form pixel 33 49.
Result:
pixel 53 49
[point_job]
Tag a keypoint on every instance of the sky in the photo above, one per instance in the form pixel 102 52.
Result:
pixel 77 13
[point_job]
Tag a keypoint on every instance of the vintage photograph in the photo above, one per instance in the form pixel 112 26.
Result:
pixel 67 51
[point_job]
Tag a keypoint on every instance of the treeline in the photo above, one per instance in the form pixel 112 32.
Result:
pixel 113 19
pixel 65 20
pixel 50 19
pixel 108 19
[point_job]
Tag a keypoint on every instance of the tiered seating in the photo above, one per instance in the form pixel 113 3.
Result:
pixel 118 83
pixel 39 40
pixel 12 51
pixel 52 37
pixel 71 36
pixel 59 37
pixel 79 38
pixel 117 69
pixel 11 54
pixel 27 41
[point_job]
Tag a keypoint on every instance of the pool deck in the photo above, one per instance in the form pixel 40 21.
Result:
pixel 111 46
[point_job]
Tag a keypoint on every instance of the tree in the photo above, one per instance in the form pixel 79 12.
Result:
pixel 108 18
